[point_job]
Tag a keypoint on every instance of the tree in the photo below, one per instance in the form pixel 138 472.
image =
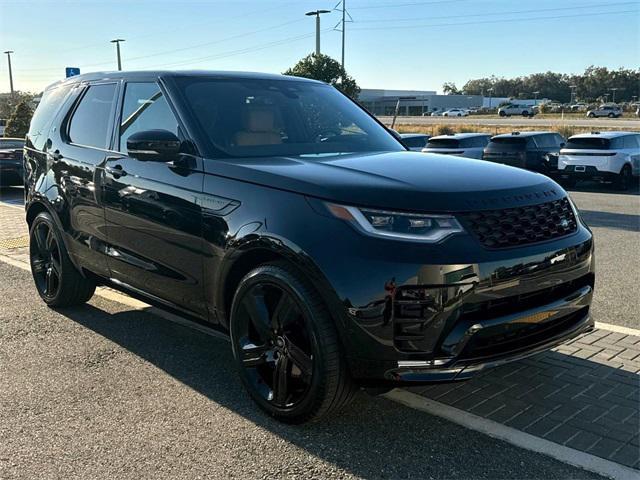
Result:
pixel 18 123
pixel 449 88
pixel 326 69
pixel 9 102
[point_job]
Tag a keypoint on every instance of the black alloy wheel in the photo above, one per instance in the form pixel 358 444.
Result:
pixel 46 262
pixel 286 347
pixel 57 280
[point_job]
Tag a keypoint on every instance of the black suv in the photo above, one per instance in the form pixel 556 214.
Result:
pixel 537 151
pixel 277 211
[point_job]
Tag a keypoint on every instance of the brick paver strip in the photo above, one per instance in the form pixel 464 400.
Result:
pixel 584 395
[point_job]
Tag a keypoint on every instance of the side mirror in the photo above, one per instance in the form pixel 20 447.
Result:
pixel 153 146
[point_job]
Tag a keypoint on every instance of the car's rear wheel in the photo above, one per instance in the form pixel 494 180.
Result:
pixel 57 280
pixel 286 346
pixel 611 115
pixel 625 178
pixel 568 182
pixel 503 114
pixel 525 113
pixel 591 115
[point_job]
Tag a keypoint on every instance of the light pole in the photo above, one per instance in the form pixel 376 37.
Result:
pixel 317 14
pixel 9 52
pixel 536 93
pixel 613 96
pixel 574 97
pixel 490 90
pixel 117 42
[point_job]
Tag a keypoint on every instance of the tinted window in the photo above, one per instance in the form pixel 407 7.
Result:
pixel 507 143
pixel 43 116
pixel 631 141
pixel 443 143
pixel 144 108
pixel 258 117
pixel 414 142
pixel 89 125
pixel 589 143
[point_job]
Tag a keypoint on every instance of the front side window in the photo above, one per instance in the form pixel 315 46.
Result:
pixel 89 125
pixel 144 108
pixel 259 117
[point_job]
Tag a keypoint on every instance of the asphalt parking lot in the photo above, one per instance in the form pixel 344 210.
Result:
pixel 111 391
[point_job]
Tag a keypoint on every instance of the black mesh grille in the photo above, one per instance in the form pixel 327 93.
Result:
pixel 511 227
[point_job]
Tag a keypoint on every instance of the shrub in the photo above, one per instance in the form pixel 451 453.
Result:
pixel 445 130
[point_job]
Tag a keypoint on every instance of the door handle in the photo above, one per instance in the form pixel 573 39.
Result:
pixel 116 171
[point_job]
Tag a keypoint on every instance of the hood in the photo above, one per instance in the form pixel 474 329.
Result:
pixel 396 180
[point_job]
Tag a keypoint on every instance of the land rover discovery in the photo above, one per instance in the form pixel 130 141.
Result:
pixel 278 212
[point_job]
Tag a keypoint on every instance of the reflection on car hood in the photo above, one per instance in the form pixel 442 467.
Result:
pixel 398 180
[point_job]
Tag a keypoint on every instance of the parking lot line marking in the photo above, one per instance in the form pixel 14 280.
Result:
pixel 515 437
pixel 618 329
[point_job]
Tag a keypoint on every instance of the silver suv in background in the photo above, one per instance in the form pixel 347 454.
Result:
pixel 524 110
pixel 611 111
pixel 606 156
pixel 470 145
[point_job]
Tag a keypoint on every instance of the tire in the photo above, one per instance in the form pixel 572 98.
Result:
pixel 591 115
pixel 625 178
pixel 568 182
pixel 503 114
pixel 611 115
pixel 286 346
pixel 525 113
pixel 57 280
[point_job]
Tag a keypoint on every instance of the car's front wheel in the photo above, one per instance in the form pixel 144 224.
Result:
pixel 286 346
pixel 57 280
pixel 591 115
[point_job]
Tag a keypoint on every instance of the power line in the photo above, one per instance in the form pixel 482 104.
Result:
pixel 489 14
pixel 389 27
pixel 200 45
pixel 390 5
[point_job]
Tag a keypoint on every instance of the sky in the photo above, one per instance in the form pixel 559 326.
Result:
pixel 401 44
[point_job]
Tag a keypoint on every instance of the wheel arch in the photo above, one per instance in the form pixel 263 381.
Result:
pixel 262 250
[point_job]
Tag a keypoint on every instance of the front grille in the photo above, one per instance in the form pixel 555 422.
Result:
pixel 512 227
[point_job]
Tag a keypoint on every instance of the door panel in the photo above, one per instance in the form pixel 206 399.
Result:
pixel 154 221
pixel 75 153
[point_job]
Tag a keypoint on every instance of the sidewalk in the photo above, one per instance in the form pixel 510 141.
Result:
pixel 14 235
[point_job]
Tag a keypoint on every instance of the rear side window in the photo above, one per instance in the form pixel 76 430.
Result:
pixel 631 141
pixel 508 143
pixel 51 100
pixel 89 125
pixel 145 108
pixel 589 143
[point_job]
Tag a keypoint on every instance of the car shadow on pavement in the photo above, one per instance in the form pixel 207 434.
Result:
pixel 372 438
pixel 620 221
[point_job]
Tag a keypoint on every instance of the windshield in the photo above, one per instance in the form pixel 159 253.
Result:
pixel 443 143
pixel 258 117
pixel 592 143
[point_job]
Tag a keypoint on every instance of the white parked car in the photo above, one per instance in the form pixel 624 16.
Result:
pixel 468 145
pixel 606 156
pixel 455 112
pixel 437 113
pixel 414 141
pixel 524 110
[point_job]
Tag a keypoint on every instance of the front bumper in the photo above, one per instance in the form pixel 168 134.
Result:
pixel 448 321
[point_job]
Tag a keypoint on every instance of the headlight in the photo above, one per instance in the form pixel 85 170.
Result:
pixel 402 226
